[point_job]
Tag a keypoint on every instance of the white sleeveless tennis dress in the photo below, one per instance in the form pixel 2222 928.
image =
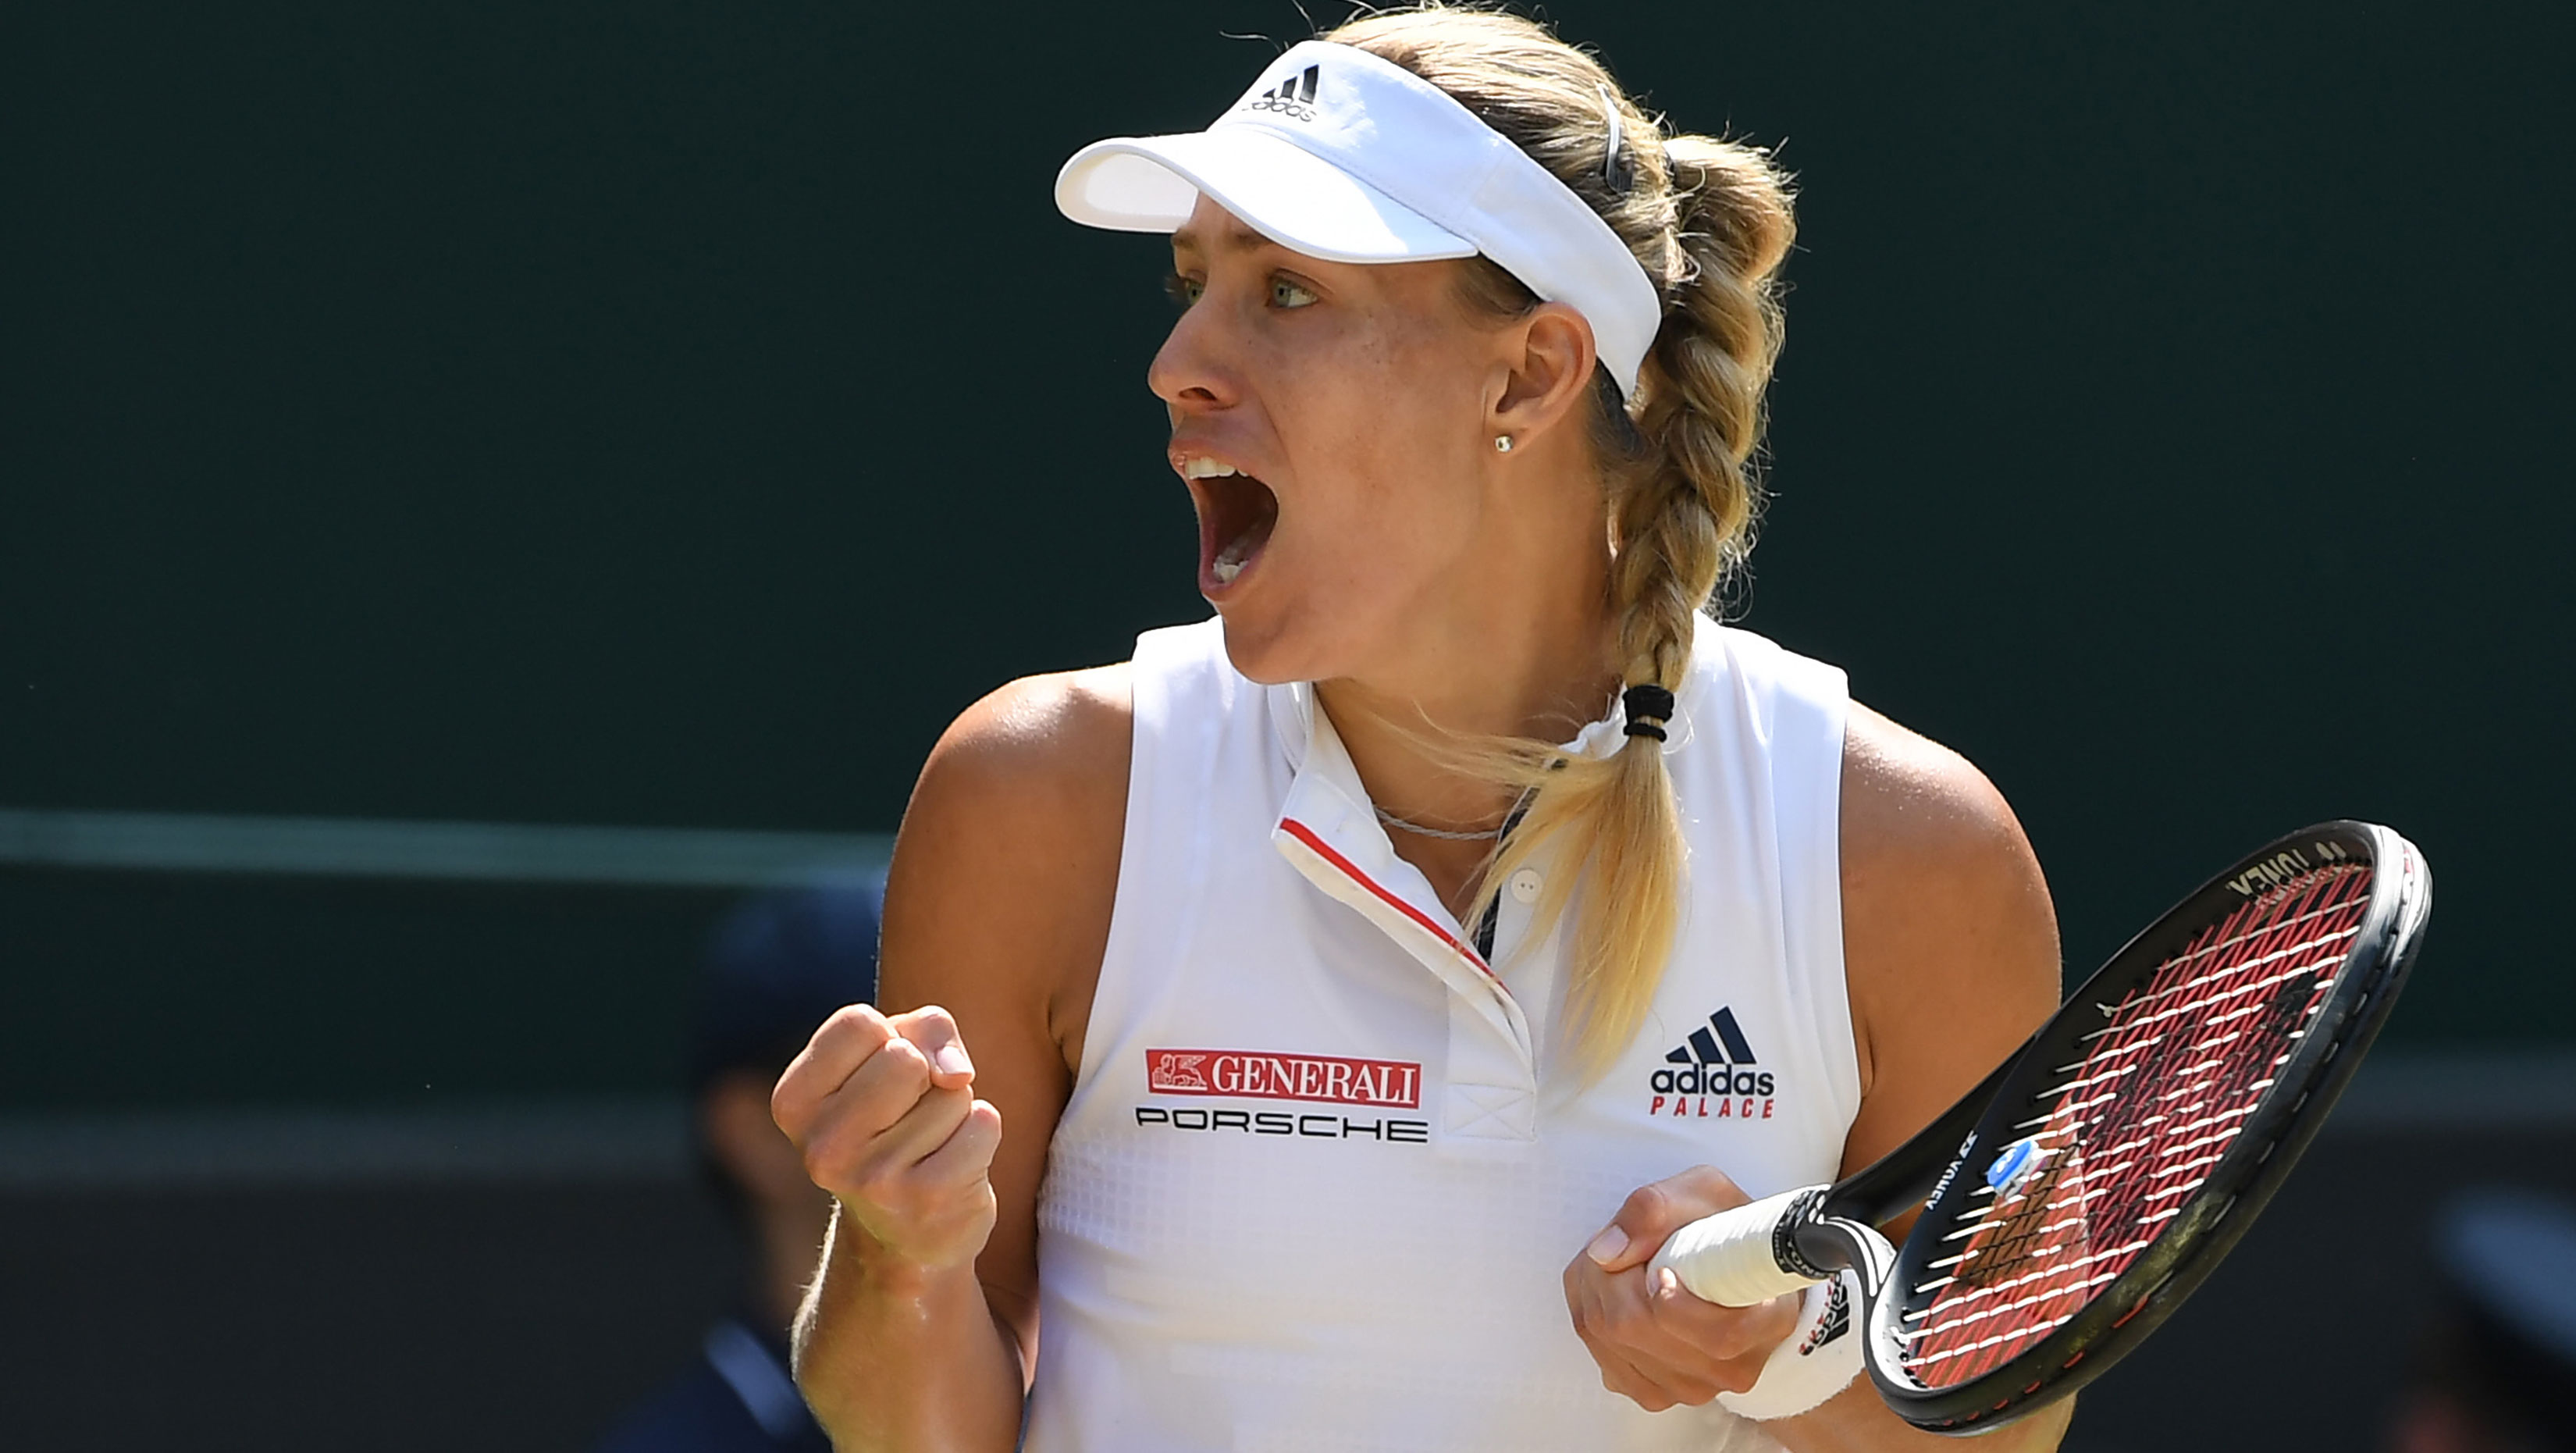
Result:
pixel 1323 1169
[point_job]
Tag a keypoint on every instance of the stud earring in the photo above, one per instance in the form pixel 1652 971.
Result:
pixel 1502 443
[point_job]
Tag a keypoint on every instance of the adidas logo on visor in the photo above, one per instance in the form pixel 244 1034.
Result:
pixel 1291 97
pixel 1386 168
pixel 1716 1060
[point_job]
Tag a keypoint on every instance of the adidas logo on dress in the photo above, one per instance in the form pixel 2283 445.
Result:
pixel 1713 1075
pixel 1291 97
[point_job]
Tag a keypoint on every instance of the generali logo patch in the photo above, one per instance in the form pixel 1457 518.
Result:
pixel 1268 1075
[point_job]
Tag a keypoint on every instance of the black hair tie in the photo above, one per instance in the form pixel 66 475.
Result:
pixel 1649 707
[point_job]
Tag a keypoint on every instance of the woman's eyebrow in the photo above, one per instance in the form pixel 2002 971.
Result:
pixel 1235 238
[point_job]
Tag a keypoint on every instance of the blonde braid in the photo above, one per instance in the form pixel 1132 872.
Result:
pixel 1711 219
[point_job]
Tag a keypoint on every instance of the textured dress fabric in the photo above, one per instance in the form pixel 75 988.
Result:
pixel 1325 1163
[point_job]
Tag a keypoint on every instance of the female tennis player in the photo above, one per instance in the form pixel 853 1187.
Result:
pixel 1345 997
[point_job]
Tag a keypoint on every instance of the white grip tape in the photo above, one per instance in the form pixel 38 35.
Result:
pixel 1726 1258
pixel 1818 1360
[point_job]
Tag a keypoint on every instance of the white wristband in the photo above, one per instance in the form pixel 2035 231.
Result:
pixel 1817 1360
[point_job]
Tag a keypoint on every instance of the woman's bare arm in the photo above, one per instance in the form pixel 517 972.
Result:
pixel 920 1330
pixel 1950 952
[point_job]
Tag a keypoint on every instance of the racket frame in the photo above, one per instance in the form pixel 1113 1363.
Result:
pixel 1840 1230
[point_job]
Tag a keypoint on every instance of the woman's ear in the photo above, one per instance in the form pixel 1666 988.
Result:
pixel 1548 361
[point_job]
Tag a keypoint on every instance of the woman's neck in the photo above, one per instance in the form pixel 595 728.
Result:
pixel 1544 676
pixel 1516 638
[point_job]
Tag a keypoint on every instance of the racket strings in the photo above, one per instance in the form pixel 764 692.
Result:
pixel 2095 1068
pixel 2130 1132
pixel 2339 925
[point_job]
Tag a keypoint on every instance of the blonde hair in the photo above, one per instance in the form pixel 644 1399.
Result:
pixel 1710 222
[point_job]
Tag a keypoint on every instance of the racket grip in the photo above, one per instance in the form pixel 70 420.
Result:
pixel 1729 1258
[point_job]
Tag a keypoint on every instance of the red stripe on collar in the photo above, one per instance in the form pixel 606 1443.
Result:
pixel 1307 835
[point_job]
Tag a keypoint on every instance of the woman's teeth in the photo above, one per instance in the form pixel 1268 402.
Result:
pixel 1242 508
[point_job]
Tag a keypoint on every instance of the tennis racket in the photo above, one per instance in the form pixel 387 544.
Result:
pixel 2080 1193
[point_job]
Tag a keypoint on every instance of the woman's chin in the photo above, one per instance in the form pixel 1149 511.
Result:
pixel 1259 649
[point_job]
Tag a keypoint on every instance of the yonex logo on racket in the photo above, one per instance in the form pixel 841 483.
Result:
pixel 1713 1075
pixel 1291 97
pixel 2281 867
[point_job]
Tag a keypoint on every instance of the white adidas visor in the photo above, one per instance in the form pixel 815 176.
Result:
pixel 1341 155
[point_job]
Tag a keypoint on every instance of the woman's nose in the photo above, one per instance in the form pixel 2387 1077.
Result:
pixel 1191 372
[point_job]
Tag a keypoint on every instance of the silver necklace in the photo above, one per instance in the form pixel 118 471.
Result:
pixel 1447 834
pixel 1442 833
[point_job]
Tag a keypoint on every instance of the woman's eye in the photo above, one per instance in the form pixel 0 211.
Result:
pixel 1289 293
pixel 1183 291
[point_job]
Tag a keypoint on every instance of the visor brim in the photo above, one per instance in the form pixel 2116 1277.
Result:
pixel 1286 193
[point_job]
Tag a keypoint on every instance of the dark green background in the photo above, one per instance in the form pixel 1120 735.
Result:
pixel 662 414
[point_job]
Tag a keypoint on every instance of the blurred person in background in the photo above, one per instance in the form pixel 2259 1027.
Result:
pixel 2497 1373
pixel 777 966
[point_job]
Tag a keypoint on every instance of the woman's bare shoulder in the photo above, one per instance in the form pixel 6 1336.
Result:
pixel 1949 938
pixel 1912 805
pixel 1056 738
pixel 1007 863
pixel 1930 848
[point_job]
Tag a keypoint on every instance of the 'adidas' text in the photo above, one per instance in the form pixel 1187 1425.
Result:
pixel 1713 1076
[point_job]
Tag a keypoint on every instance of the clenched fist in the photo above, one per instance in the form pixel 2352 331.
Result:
pixel 883 1110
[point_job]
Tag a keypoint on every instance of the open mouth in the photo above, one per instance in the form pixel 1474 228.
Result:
pixel 1236 515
